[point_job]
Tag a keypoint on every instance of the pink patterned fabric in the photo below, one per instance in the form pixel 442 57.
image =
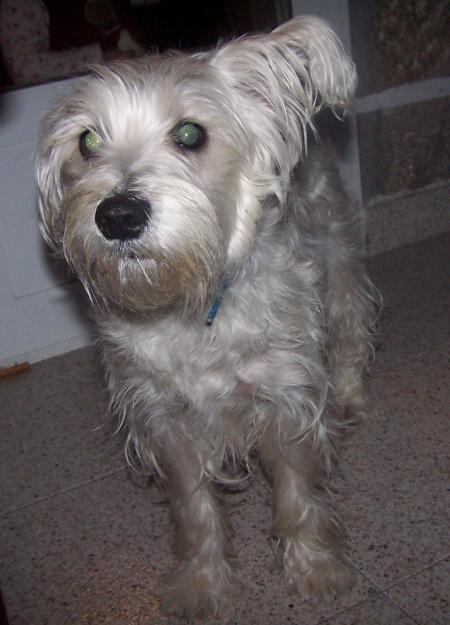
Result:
pixel 24 38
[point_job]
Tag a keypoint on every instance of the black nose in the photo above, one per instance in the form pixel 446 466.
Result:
pixel 122 216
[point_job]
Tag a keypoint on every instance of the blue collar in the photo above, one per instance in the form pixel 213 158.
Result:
pixel 216 303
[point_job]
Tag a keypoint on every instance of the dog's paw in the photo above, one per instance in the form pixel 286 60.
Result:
pixel 319 577
pixel 197 591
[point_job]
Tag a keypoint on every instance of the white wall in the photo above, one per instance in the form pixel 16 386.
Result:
pixel 41 313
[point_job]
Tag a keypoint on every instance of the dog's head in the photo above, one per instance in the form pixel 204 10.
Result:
pixel 153 173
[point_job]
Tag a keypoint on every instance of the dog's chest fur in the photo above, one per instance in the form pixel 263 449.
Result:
pixel 227 376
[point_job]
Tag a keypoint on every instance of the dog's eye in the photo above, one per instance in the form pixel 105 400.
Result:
pixel 90 143
pixel 189 135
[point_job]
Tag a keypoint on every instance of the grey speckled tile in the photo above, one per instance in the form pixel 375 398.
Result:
pixel 422 378
pixel 414 283
pixel 77 371
pixel 417 272
pixel 58 438
pixel 377 611
pixel 267 601
pixel 97 551
pixel 396 466
pixel 391 539
pixel 426 596
pixel 61 557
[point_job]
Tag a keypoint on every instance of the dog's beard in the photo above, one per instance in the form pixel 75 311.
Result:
pixel 177 263
pixel 141 284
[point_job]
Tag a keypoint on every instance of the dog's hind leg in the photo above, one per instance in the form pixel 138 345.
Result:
pixel 351 307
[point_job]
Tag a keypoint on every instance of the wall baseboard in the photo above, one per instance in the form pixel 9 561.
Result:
pixel 407 217
pixel 50 351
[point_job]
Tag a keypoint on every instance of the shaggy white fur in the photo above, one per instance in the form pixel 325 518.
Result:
pixel 162 178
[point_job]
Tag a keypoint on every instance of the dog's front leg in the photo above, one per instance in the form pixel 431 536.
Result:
pixel 304 518
pixel 201 585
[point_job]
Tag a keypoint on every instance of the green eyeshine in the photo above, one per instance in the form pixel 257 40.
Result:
pixel 90 143
pixel 190 135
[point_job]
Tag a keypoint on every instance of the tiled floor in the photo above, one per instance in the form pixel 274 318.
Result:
pixel 83 542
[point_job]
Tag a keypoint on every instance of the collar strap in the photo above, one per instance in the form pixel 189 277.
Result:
pixel 216 303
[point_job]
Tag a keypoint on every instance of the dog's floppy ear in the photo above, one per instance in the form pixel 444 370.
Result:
pixel 314 49
pixel 291 72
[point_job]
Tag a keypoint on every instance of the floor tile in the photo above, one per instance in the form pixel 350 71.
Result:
pixel 426 596
pixel 77 371
pixel 413 282
pixel 417 272
pixel 396 467
pixel 378 611
pixel 61 556
pixel 99 550
pixel 421 378
pixel 58 439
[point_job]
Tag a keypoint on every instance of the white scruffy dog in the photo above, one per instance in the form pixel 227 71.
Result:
pixel 223 263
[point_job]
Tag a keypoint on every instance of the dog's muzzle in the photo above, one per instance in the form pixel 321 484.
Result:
pixel 123 216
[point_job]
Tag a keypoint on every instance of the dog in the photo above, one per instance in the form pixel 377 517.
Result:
pixel 224 264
